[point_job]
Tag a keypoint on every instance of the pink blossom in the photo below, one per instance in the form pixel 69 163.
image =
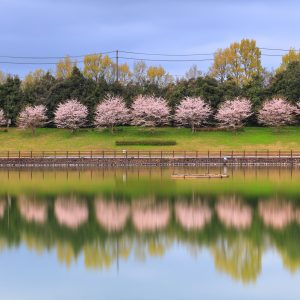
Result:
pixel 276 112
pixel 70 212
pixel 192 112
pixel 32 211
pixel 32 117
pixel 276 214
pixel 193 216
pixel 234 214
pixel 70 114
pixel 3 120
pixel 111 112
pixel 150 217
pixel 232 113
pixel 150 111
pixel 112 215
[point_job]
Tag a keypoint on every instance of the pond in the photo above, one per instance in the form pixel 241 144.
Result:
pixel 139 234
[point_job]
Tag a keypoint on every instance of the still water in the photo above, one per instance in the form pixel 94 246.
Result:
pixel 139 234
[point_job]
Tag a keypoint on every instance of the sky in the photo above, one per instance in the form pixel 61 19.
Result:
pixel 77 27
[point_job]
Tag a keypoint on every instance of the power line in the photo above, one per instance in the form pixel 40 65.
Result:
pixel 54 57
pixel 167 54
pixel 167 60
pixel 135 53
pixel 275 49
pixel 119 57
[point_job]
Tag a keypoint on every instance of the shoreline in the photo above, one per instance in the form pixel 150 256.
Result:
pixel 149 162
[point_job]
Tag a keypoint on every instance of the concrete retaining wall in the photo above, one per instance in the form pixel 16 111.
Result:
pixel 121 162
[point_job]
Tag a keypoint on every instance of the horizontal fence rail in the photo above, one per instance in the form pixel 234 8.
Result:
pixel 222 154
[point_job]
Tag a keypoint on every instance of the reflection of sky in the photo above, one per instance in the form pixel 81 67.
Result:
pixel 27 276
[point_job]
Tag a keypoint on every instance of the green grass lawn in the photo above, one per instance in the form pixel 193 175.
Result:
pixel 251 138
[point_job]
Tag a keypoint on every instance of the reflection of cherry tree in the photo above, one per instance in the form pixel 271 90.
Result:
pixel 2 208
pixel 65 253
pixel 70 212
pixel 233 213
pixel 276 214
pixel 147 216
pixel 32 210
pixel 240 258
pixel 192 216
pixel 111 215
pixel 102 255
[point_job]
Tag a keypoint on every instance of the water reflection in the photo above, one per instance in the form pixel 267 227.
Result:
pixel 233 213
pixel 70 212
pixel 2 208
pixel 148 215
pixel 112 215
pixel 276 214
pixel 236 223
pixel 193 216
pixel 32 210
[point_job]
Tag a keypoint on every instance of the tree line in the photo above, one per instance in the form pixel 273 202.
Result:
pixel 151 111
pixel 236 72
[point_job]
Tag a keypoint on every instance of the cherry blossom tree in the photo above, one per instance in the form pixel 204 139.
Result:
pixel 111 112
pixel 192 112
pixel 150 111
pixel 3 120
pixel 32 117
pixel 276 112
pixel 232 113
pixel 70 114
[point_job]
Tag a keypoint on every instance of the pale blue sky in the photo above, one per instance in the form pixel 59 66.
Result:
pixel 60 27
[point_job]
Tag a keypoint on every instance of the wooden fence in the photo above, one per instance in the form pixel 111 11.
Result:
pixel 149 154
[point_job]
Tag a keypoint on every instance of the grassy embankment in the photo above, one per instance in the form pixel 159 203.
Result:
pixel 87 139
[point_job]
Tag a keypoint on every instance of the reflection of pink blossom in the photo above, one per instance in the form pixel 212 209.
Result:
pixel 32 211
pixel 193 216
pixel 234 214
pixel 147 217
pixel 276 214
pixel 111 215
pixel 2 208
pixel 70 212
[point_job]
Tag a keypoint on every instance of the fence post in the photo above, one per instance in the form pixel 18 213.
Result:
pixel 102 153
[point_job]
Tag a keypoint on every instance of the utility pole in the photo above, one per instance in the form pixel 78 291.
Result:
pixel 117 65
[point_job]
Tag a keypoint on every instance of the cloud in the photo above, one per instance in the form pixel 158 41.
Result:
pixel 59 27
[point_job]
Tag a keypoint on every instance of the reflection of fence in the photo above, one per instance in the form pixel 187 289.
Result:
pixel 150 154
